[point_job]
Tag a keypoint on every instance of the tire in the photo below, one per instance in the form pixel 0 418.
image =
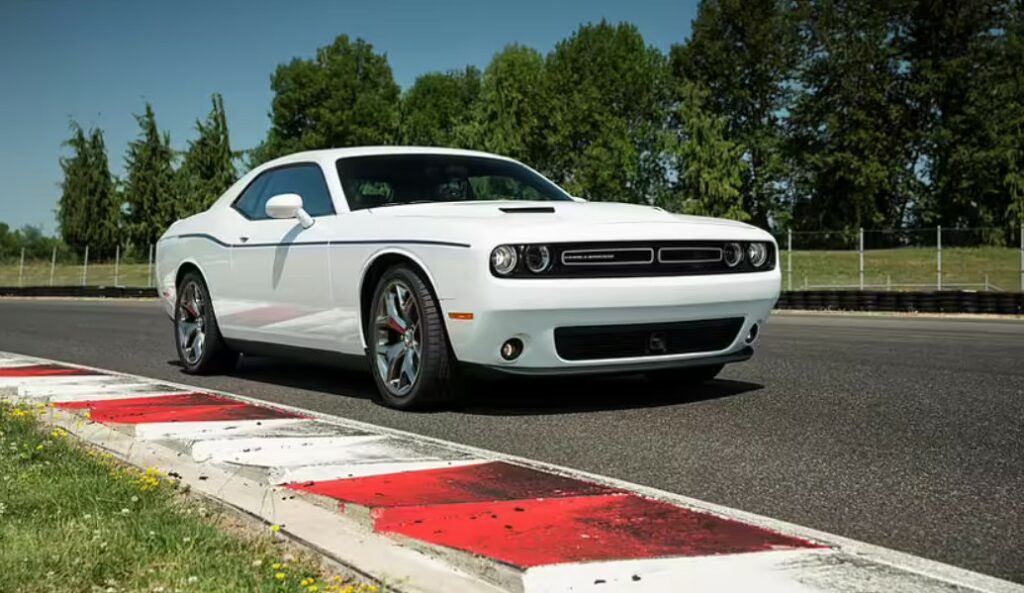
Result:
pixel 414 367
pixel 685 375
pixel 194 319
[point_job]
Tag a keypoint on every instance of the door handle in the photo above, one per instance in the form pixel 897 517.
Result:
pixel 244 239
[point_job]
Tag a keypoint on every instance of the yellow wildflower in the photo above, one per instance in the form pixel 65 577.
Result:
pixel 279 576
pixel 275 528
pixel 275 565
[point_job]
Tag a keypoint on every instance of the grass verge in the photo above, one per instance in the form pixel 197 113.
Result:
pixel 74 519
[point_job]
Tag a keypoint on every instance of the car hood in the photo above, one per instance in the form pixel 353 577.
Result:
pixel 526 213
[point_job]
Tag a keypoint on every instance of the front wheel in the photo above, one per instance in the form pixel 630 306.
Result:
pixel 410 359
pixel 201 349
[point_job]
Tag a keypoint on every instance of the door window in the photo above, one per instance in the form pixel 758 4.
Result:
pixel 304 179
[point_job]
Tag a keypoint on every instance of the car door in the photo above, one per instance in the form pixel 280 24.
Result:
pixel 280 287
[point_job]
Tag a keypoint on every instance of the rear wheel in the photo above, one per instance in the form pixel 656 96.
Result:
pixel 685 375
pixel 201 349
pixel 409 354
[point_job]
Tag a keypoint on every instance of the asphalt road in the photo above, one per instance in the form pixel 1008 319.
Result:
pixel 906 433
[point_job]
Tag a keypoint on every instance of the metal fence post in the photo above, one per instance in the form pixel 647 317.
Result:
pixel 789 257
pixel 53 263
pixel 117 264
pixel 21 269
pixel 149 268
pixel 938 261
pixel 861 249
pixel 85 267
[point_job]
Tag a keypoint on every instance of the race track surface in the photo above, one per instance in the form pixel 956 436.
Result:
pixel 906 433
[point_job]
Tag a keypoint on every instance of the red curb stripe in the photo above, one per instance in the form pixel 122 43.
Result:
pixel 45 370
pixel 527 533
pixel 188 407
pixel 472 483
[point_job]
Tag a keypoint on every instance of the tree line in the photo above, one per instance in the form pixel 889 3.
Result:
pixel 802 114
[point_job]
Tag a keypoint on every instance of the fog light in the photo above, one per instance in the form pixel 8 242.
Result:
pixel 752 334
pixel 511 349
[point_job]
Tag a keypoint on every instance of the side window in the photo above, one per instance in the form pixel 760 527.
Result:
pixel 306 180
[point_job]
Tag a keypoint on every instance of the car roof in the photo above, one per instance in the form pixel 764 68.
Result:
pixel 333 154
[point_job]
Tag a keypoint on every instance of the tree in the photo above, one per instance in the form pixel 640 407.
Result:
pixel 89 210
pixel 966 81
pixel 853 130
pixel 149 188
pixel 345 96
pixel 208 168
pixel 511 106
pixel 744 52
pixel 439 109
pixel 707 164
pixel 606 96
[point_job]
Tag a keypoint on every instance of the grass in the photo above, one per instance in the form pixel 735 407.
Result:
pixel 906 266
pixel 72 519
pixel 37 273
pixel 901 267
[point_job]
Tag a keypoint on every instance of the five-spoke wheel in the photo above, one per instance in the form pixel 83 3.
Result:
pixel 197 336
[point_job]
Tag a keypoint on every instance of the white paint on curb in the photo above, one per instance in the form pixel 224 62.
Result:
pixel 339 471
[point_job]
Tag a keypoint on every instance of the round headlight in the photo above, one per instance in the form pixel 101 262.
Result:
pixel 732 253
pixel 757 253
pixel 504 259
pixel 537 258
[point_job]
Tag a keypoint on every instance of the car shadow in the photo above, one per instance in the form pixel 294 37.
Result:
pixel 513 396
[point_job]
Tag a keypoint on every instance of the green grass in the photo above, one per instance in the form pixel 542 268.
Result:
pixel 75 520
pixel 905 266
pixel 38 274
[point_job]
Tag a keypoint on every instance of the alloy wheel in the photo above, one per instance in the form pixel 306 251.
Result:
pixel 191 323
pixel 397 348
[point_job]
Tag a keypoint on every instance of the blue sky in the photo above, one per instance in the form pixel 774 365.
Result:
pixel 97 62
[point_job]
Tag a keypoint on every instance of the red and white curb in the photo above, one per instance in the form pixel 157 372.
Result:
pixel 430 515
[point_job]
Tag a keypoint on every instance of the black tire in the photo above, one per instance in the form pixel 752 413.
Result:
pixel 438 380
pixel 685 375
pixel 214 356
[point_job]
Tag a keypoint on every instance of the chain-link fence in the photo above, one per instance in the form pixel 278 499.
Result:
pixel 982 259
pixel 117 266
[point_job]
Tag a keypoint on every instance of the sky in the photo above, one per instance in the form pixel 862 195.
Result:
pixel 98 62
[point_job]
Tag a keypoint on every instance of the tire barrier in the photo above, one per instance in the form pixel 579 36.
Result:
pixel 944 301
pixel 111 292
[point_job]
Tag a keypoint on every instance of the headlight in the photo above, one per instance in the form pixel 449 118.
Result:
pixel 537 258
pixel 504 259
pixel 757 253
pixel 732 253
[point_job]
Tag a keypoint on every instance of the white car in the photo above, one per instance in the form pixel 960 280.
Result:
pixel 427 263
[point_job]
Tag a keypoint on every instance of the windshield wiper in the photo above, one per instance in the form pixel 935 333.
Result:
pixel 405 203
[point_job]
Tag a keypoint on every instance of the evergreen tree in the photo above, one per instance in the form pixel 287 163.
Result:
pixel 89 210
pixel 744 52
pixel 149 188
pixel 606 95
pixel 511 107
pixel 208 168
pixel 708 165
pixel 438 110
pixel 345 96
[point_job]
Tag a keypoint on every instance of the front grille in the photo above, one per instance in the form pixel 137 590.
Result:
pixel 638 259
pixel 595 342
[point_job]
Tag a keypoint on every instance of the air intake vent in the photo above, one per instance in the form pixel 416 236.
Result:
pixel 529 210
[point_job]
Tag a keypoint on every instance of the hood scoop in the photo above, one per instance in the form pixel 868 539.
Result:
pixel 529 210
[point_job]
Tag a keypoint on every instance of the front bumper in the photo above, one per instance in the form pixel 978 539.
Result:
pixel 530 310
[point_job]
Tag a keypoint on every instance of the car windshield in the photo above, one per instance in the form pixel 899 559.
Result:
pixel 392 180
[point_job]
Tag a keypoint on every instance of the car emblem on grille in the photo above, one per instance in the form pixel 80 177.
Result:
pixel 657 343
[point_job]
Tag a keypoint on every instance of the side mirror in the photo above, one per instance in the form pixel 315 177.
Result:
pixel 288 206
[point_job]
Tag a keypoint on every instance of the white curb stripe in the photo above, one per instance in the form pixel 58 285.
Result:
pixel 226 429
pixel 341 471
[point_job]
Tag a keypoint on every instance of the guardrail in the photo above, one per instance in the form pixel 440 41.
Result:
pixel 943 301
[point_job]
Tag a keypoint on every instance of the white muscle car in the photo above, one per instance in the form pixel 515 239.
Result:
pixel 427 263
